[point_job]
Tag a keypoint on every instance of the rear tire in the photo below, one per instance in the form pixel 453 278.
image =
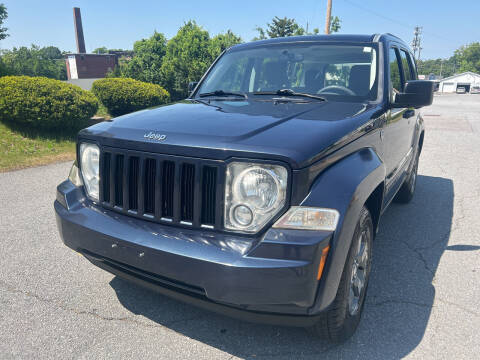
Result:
pixel 407 190
pixel 340 322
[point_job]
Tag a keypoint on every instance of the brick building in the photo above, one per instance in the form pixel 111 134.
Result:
pixel 90 66
pixel 87 66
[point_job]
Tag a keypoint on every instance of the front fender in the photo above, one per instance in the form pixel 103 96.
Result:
pixel 344 186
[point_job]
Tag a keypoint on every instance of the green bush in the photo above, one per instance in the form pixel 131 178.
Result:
pixel 122 95
pixel 44 103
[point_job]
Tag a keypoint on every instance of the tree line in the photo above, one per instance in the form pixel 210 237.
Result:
pixel 465 58
pixel 173 63
pixel 185 57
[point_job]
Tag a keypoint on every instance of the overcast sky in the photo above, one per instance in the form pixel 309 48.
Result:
pixel 118 24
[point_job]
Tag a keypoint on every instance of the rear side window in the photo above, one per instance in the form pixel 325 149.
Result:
pixel 395 79
pixel 408 72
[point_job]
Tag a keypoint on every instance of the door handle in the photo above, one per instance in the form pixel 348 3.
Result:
pixel 408 114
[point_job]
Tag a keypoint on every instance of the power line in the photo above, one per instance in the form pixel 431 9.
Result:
pixel 378 14
pixel 409 26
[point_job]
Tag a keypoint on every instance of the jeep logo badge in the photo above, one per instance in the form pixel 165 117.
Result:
pixel 153 136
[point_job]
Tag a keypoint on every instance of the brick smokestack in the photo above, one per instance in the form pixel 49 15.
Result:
pixel 77 19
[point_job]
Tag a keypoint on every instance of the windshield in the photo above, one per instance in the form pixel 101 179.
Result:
pixel 336 72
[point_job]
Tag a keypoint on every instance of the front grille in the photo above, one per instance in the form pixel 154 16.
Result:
pixel 162 188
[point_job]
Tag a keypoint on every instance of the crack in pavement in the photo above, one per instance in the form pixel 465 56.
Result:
pixel 394 301
pixel 420 256
pixel 420 304
pixel 64 307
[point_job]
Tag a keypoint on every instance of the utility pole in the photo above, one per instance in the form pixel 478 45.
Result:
pixel 329 16
pixel 417 41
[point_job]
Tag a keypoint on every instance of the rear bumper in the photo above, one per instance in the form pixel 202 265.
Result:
pixel 269 279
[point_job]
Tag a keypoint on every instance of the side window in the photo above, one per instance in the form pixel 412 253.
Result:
pixel 408 73
pixel 395 80
pixel 414 65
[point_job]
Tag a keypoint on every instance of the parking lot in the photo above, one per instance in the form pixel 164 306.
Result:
pixel 423 300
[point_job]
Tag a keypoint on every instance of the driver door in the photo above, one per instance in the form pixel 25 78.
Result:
pixel 398 129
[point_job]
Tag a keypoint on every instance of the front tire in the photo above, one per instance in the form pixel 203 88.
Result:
pixel 340 322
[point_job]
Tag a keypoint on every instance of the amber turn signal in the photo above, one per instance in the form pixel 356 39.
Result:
pixel 322 262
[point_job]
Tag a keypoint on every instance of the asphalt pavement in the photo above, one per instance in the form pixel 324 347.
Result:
pixel 423 300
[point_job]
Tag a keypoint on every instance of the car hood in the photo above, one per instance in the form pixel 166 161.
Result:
pixel 293 132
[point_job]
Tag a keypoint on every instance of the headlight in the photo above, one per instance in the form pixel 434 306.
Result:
pixel 89 164
pixel 254 194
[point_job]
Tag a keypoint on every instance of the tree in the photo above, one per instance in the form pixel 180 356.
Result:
pixel 100 50
pixel 51 53
pixel 147 61
pixel 222 42
pixel 175 63
pixel 288 27
pixel 104 50
pixel 335 24
pixel 3 17
pixel 261 34
pixel 3 69
pixel 187 57
pixel 437 67
pixel 279 27
pixel 283 27
pixel 35 61
pixel 468 57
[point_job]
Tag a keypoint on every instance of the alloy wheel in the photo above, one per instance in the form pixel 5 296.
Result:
pixel 359 275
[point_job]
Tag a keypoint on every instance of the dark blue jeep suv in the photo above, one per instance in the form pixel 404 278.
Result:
pixel 258 196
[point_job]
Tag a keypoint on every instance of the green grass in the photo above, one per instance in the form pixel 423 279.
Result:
pixel 23 147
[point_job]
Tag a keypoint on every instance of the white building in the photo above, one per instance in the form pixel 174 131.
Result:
pixel 467 80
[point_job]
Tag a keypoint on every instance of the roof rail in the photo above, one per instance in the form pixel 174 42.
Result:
pixel 390 34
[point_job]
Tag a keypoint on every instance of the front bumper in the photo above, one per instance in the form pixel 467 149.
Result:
pixel 266 277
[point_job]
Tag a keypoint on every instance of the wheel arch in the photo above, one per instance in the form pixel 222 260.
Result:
pixel 374 205
pixel 352 183
pixel 420 141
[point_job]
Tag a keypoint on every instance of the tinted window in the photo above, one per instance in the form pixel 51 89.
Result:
pixel 334 71
pixel 407 69
pixel 395 80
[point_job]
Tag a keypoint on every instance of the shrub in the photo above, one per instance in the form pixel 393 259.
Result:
pixel 122 95
pixel 44 103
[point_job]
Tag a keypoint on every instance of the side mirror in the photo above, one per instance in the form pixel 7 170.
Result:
pixel 417 93
pixel 192 85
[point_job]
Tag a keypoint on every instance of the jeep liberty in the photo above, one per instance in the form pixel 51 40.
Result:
pixel 258 196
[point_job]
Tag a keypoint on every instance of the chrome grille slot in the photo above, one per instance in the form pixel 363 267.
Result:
pixel 168 184
pixel 133 183
pixel 209 182
pixel 149 179
pixel 118 179
pixel 162 188
pixel 106 176
pixel 187 193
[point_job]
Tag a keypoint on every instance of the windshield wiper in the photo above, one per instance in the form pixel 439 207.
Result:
pixel 223 93
pixel 289 92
